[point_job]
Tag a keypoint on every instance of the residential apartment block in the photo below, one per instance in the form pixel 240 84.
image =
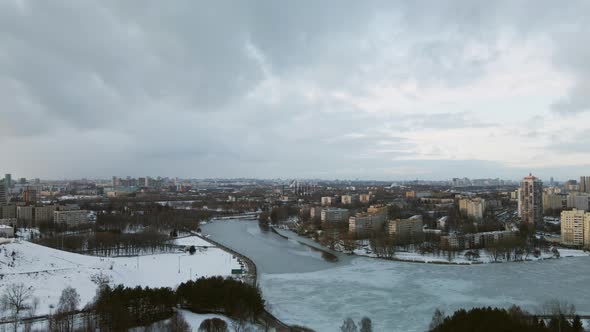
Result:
pixel 575 228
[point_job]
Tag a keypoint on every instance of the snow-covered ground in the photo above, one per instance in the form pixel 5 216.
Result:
pixel 47 271
pixel 460 258
pixel 194 321
pixel 192 241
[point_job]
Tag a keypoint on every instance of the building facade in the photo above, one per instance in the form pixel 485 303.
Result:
pixel 585 184
pixel 530 201
pixel 6 231
pixel 473 208
pixel 552 201
pixel 575 228
pixel 410 229
pixel 346 199
pixel 334 215
pixel 4 190
pixel 326 201
pixel 370 221
pixel 70 218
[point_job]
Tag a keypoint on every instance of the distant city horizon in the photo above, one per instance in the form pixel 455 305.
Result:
pixel 109 178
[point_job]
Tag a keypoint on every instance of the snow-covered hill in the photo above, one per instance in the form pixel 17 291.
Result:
pixel 47 271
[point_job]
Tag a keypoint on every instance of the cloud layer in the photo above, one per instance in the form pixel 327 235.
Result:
pixel 380 90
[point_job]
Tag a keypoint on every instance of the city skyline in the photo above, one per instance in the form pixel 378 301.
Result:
pixel 372 90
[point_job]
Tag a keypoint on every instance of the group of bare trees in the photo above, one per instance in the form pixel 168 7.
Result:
pixel 365 325
pixel 17 300
pixel 21 305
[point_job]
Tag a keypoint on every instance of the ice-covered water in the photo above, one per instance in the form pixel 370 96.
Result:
pixel 397 296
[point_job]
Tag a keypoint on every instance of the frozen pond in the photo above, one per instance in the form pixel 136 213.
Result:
pixel 301 288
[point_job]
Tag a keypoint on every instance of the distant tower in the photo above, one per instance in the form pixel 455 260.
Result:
pixel 3 192
pixel 530 201
pixel 8 180
pixel 585 184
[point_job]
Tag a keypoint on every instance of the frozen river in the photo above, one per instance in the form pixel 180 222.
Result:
pixel 303 288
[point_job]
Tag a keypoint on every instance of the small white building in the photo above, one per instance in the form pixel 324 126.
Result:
pixel 6 231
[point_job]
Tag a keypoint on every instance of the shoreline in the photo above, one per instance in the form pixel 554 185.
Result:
pixel 417 261
pixel 279 325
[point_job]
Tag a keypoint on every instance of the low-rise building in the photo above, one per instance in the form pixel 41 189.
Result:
pixel 475 240
pixel 70 218
pixel 346 199
pixel 6 231
pixel 327 200
pixel 365 198
pixel 8 221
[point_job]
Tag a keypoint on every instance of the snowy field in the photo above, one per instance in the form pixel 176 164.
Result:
pixel 192 241
pixel 194 321
pixel 48 270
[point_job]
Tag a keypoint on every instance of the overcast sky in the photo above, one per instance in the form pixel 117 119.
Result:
pixel 322 89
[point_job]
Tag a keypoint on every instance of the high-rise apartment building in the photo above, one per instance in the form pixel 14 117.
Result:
pixel 4 198
pixel 530 201
pixel 30 195
pixel 553 201
pixel 473 208
pixel 585 184
pixel 575 228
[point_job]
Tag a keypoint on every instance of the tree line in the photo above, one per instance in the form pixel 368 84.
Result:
pixel 562 318
pixel 122 307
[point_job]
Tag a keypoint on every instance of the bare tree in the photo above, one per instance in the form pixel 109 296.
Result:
pixel 67 307
pixel 178 324
pixel 348 325
pixel 213 325
pixel 15 300
pixel 366 325
pixel 437 319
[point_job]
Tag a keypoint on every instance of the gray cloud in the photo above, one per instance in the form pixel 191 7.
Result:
pixel 233 88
